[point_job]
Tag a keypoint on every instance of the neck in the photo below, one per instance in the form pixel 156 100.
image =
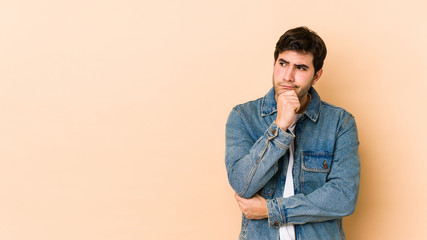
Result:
pixel 304 102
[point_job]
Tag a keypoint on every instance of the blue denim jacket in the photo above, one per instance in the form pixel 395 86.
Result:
pixel 326 167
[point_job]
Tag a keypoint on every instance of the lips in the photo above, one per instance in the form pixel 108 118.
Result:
pixel 287 87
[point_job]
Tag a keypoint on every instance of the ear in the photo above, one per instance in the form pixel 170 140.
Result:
pixel 317 76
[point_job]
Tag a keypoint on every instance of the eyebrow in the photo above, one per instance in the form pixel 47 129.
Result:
pixel 302 66
pixel 297 65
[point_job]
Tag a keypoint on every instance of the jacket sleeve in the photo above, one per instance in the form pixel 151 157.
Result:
pixel 251 163
pixel 336 198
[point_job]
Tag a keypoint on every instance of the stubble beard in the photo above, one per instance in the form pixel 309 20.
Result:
pixel 301 93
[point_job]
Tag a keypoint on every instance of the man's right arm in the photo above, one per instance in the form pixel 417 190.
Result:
pixel 252 163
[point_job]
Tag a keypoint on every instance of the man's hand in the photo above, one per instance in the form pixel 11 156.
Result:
pixel 287 105
pixel 253 208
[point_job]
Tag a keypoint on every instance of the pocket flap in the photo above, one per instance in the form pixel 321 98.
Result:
pixel 316 161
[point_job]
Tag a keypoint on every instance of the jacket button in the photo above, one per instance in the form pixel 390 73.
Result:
pixel 273 131
pixel 325 165
pixel 276 223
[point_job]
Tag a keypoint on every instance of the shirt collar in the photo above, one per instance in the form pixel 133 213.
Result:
pixel 269 106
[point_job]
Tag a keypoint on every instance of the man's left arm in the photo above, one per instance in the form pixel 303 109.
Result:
pixel 335 199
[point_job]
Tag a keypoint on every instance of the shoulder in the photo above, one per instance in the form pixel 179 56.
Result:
pixel 248 108
pixel 335 110
pixel 338 114
pixel 262 106
pixel 245 114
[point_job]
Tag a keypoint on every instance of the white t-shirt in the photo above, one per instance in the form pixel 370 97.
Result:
pixel 287 231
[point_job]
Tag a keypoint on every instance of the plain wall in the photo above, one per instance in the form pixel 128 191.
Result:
pixel 113 112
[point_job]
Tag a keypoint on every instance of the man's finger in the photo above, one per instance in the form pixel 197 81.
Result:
pixel 239 199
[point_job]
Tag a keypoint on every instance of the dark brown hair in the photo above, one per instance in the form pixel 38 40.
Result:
pixel 302 40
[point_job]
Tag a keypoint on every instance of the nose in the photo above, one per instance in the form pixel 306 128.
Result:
pixel 289 74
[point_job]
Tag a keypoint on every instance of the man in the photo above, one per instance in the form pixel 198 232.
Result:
pixel 291 158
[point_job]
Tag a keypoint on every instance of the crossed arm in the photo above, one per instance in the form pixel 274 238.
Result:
pixel 253 208
pixel 287 105
pixel 248 173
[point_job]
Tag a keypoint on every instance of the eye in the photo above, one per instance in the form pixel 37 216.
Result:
pixel 302 68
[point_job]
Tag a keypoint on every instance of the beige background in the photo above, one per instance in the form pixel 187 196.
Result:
pixel 113 112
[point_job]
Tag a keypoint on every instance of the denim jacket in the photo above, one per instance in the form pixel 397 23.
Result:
pixel 326 167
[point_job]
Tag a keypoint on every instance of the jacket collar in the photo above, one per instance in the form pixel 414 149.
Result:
pixel 269 106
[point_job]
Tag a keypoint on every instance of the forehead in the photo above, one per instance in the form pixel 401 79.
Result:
pixel 295 57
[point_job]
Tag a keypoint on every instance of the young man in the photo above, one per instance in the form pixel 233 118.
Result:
pixel 291 158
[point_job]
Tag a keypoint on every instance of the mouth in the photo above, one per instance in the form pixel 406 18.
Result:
pixel 290 87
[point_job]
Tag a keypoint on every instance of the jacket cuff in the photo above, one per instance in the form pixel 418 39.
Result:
pixel 276 213
pixel 281 138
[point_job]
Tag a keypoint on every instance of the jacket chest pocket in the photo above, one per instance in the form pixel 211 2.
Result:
pixel 315 169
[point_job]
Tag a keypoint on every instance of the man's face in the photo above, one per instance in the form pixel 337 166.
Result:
pixel 294 71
